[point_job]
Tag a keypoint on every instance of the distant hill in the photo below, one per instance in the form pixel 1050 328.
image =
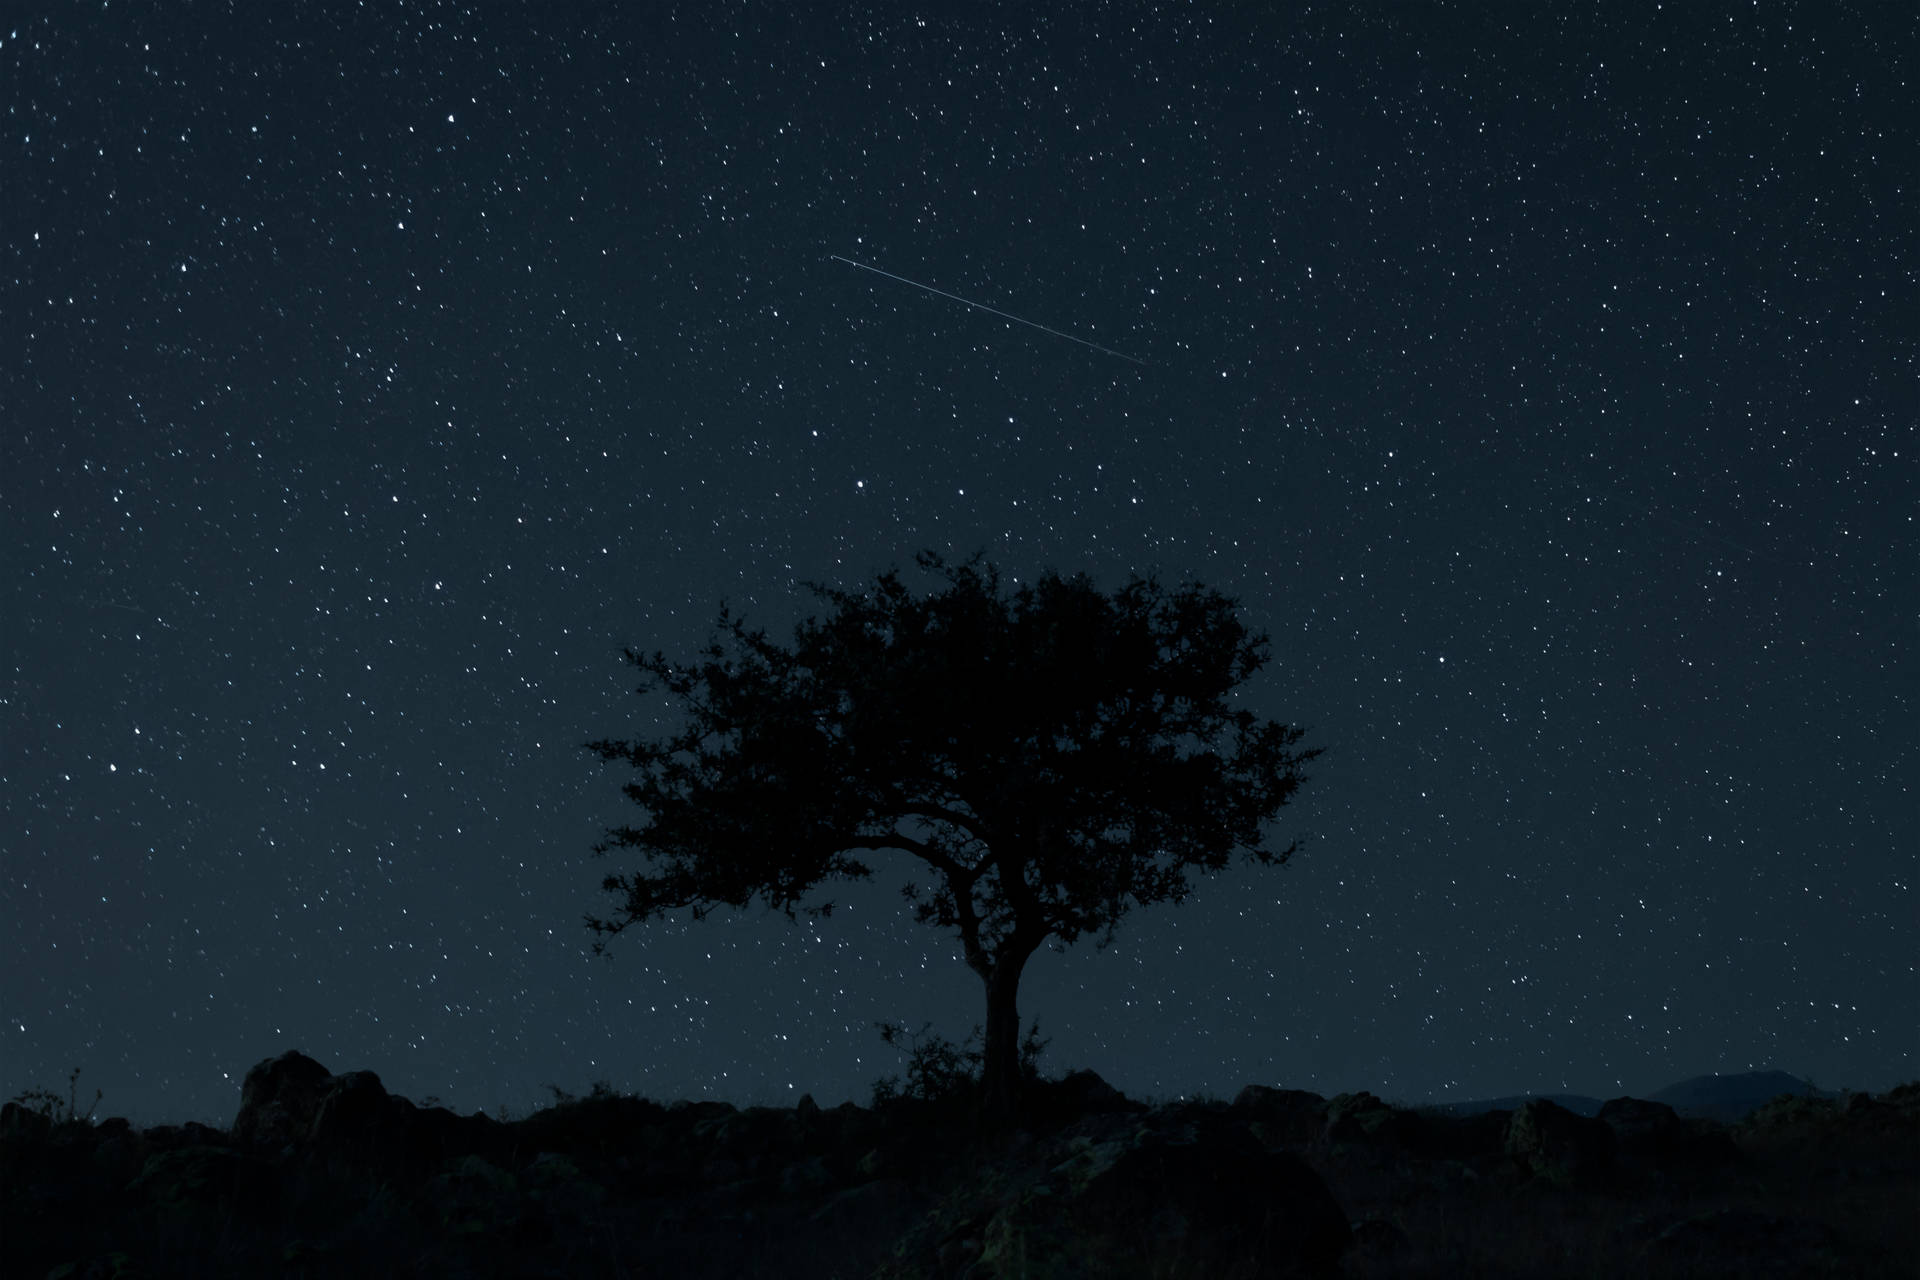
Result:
pixel 1731 1098
pixel 1714 1097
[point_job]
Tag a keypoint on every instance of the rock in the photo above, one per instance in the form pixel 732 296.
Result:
pixel 358 1119
pixel 1639 1124
pixel 291 1105
pixel 886 1205
pixel 332 1175
pixel 1282 1117
pixel 1559 1148
pixel 1361 1117
pixel 114 1152
pixel 1173 1191
pixel 701 1112
pixel 1651 1138
pixel 610 1130
pixel 202 1185
pixel 753 1138
pixel 806 1177
pixel 1789 1110
pixel 17 1122
pixel 1378 1242
pixel 1478 1138
pixel 551 1173
pixel 278 1100
pixel 473 1198
pixel 1084 1092
pixel 1746 1244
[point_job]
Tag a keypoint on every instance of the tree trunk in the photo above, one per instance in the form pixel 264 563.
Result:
pixel 1001 1109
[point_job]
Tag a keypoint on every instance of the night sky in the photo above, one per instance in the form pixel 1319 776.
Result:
pixel 371 375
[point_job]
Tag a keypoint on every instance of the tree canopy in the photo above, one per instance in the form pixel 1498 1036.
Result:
pixel 1051 755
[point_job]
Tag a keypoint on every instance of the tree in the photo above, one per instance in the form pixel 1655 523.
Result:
pixel 1052 755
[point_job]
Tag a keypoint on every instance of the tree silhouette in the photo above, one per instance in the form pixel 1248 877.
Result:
pixel 1052 755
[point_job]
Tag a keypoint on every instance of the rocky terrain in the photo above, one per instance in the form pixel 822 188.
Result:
pixel 330 1175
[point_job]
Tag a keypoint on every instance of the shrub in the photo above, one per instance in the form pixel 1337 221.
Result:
pixel 44 1101
pixel 939 1070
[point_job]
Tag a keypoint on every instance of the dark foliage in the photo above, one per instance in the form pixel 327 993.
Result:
pixel 938 1069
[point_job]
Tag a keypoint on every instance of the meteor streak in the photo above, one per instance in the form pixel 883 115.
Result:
pixel 981 306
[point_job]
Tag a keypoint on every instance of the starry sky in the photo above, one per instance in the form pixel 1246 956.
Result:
pixel 371 375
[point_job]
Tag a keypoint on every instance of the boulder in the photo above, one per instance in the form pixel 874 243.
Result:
pixel 1084 1092
pixel 1747 1244
pixel 806 1176
pixel 1379 1243
pixel 1476 1139
pixel 635 1133
pixel 203 1184
pixel 291 1106
pixel 278 1100
pixel 549 1198
pixel 1363 1118
pixel 18 1123
pixel 884 1208
pixel 1282 1117
pixel 1652 1138
pixel 1850 1139
pixel 1559 1148
pixel 1638 1124
pixel 1173 1191
pixel 712 1176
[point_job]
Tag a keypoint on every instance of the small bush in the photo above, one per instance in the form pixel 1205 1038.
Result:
pixel 44 1101
pixel 939 1070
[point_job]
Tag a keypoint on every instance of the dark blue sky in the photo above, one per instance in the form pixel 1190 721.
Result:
pixel 371 375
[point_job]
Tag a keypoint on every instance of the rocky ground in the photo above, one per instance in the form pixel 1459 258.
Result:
pixel 324 1175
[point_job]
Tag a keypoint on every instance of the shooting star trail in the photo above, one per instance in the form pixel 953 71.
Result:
pixel 981 306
